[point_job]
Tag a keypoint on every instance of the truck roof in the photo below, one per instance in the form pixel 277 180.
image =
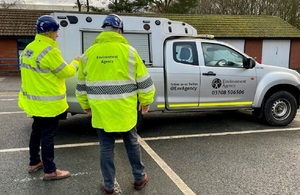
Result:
pixel 131 23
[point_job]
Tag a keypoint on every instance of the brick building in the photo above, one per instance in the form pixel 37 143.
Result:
pixel 16 31
pixel 269 39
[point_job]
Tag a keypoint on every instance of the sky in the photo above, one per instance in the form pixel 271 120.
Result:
pixel 96 3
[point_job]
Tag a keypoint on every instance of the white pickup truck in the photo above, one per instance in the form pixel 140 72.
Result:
pixel 190 72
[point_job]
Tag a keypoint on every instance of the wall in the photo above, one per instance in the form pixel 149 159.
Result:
pixel 8 57
pixel 253 48
pixel 295 55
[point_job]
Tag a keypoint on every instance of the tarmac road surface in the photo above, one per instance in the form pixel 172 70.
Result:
pixel 217 153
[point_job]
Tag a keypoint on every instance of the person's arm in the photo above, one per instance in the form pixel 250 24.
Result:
pixel 60 67
pixel 146 88
pixel 81 88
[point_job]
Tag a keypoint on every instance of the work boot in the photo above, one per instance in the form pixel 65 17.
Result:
pixel 106 191
pixel 35 168
pixel 140 185
pixel 58 174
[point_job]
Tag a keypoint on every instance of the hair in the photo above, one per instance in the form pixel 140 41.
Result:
pixel 47 34
pixel 111 29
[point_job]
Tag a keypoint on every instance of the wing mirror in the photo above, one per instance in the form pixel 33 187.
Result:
pixel 249 63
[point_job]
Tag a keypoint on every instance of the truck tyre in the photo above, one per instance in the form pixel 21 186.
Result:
pixel 280 109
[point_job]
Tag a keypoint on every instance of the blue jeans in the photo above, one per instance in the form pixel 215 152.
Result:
pixel 43 134
pixel 107 144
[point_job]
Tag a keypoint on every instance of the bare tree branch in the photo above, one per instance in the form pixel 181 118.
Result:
pixel 6 5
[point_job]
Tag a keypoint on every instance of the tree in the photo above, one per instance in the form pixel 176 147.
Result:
pixel 173 6
pixel 141 5
pixel 182 6
pixel 128 6
pixel 87 5
pixel 120 6
pixel 295 13
pixel 80 4
pixel 161 6
pixel 289 10
pixel 6 5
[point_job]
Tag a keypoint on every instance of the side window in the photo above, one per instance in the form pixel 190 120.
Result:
pixel 185 52
pixel 220 55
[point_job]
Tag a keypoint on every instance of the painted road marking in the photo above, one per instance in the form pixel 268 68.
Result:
pixel 9 93
pixel 117 186
pixel 161 163
pixel 8 99
pixel 164 138
pixel 27 179
pixel 16 112
pixel 166 168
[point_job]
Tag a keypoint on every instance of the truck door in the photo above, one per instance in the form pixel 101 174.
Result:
pixel 182 75
pixel 225 83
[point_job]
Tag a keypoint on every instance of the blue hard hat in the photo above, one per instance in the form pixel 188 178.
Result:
pixel 46 23
pixel 114 21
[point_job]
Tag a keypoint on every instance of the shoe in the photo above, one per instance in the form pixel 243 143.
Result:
pixel 140 185
pixel 35 168
pixel 58 174
pixel 106 191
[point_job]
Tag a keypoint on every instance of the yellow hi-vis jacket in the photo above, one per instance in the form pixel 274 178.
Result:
pixel 43 73
pixel 112 79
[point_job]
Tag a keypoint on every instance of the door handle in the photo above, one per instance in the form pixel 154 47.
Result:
pixel 209 73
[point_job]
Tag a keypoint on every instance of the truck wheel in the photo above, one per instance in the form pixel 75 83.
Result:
pixel 280 109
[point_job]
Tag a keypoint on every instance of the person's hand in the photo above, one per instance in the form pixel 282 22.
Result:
pixel 144 109
pixel 77 58
pixel 88 111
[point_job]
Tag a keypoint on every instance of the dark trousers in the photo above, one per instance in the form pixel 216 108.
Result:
pixel 107 145
pixel 42 135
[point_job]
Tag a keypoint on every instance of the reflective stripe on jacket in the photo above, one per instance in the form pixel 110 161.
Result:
pixel 43 73
pixel 112 79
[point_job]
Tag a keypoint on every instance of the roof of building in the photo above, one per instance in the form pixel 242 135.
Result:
pixel 236 26
pixel 22 23
pixel 19 22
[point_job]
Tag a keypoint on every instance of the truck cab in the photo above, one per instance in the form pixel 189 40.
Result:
pixel 215 75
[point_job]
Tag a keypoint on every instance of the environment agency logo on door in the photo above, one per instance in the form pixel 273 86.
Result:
pixel 216 83
pixel 227 83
